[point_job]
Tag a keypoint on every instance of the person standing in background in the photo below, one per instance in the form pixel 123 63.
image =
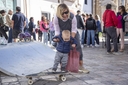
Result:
pixel 3 31
pixel 26 27
pixel 31 28
pixel 98 26
pixel 9 22
pixel 91 28
pixel 18 23
pixel 110 23
pixel 44 29
pixel 83 31
pixel 121 26
pixel 52 31
pixel 80 24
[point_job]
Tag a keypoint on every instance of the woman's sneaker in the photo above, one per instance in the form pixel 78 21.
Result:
pixel 83 70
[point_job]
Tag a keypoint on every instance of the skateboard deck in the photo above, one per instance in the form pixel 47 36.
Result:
pixel 60 75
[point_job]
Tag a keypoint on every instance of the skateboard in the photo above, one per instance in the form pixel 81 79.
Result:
pixel 61 76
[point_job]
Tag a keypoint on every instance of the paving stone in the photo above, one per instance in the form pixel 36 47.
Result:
pixel 104 70
pixel 9 79
pixel 92 81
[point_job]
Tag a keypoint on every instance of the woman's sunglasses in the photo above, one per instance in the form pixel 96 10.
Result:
pixel 65 12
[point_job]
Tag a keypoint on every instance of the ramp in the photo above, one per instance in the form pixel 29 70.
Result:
pixel 25 58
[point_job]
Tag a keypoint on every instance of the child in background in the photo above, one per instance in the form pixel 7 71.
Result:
pixel 63 48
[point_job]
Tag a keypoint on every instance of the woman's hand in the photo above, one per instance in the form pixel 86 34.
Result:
pixel 73 45
pixel 73 34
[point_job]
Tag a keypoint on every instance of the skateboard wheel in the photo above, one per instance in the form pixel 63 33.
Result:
pixel 30 82
pixel 63 78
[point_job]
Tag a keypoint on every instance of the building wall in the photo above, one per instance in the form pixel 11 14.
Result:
pixel 87 8
pixel 6 4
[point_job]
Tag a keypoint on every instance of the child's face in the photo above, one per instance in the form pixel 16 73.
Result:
pixel 66 38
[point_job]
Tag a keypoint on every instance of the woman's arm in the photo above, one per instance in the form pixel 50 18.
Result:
pixel 74 27
pixel 56 26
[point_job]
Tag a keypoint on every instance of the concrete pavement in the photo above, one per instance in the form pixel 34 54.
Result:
pixel 104 70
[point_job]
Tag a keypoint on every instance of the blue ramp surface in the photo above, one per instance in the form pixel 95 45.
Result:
pixel 25 58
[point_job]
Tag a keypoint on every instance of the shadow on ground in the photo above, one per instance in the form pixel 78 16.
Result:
pixel 47 82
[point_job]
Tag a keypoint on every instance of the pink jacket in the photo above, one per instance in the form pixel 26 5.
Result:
pixel 41 28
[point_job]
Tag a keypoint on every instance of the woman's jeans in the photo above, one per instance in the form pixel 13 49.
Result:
pixel 45 38
pixel 97 38
pixel 91 35
pixel 51 36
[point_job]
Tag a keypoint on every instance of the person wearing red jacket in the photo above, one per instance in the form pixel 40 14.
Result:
pixel 110 23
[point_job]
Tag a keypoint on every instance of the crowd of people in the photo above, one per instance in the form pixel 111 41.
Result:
pixel 83 29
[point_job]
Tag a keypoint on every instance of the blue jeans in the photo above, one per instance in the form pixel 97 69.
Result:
pixel 83 37
pixel 51 36
pixel 45 38
pixel 10 36
pixel 91 36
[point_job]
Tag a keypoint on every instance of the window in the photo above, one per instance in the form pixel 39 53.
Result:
pixel 85 1
pixel 123 2
pixel 6 4
pixel 58 1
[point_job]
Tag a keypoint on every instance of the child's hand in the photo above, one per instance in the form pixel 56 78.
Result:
pixel 73 45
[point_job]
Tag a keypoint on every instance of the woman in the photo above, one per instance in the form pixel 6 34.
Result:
pixel 4 41
pixel 44 29
pixel 123 13
pixel 98 25
pixel 31 28
pixel 64 20
pixel 51 26
pixel 121 26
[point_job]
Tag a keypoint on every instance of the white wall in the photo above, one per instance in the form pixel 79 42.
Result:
pixel 36 7
pixel 86 8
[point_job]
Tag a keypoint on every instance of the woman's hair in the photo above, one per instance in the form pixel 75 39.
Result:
pixel 60 10
pixel 97 17
pixel 123 8
pixel 30 18
pixel 38 22
pixel 83 15
pixel 43 18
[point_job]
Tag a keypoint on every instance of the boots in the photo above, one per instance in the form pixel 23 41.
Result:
pixel 82 69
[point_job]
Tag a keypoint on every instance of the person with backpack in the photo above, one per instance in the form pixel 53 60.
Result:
pixel 110 23
pixel 64 20
pixel 91 29
pixel 3 28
